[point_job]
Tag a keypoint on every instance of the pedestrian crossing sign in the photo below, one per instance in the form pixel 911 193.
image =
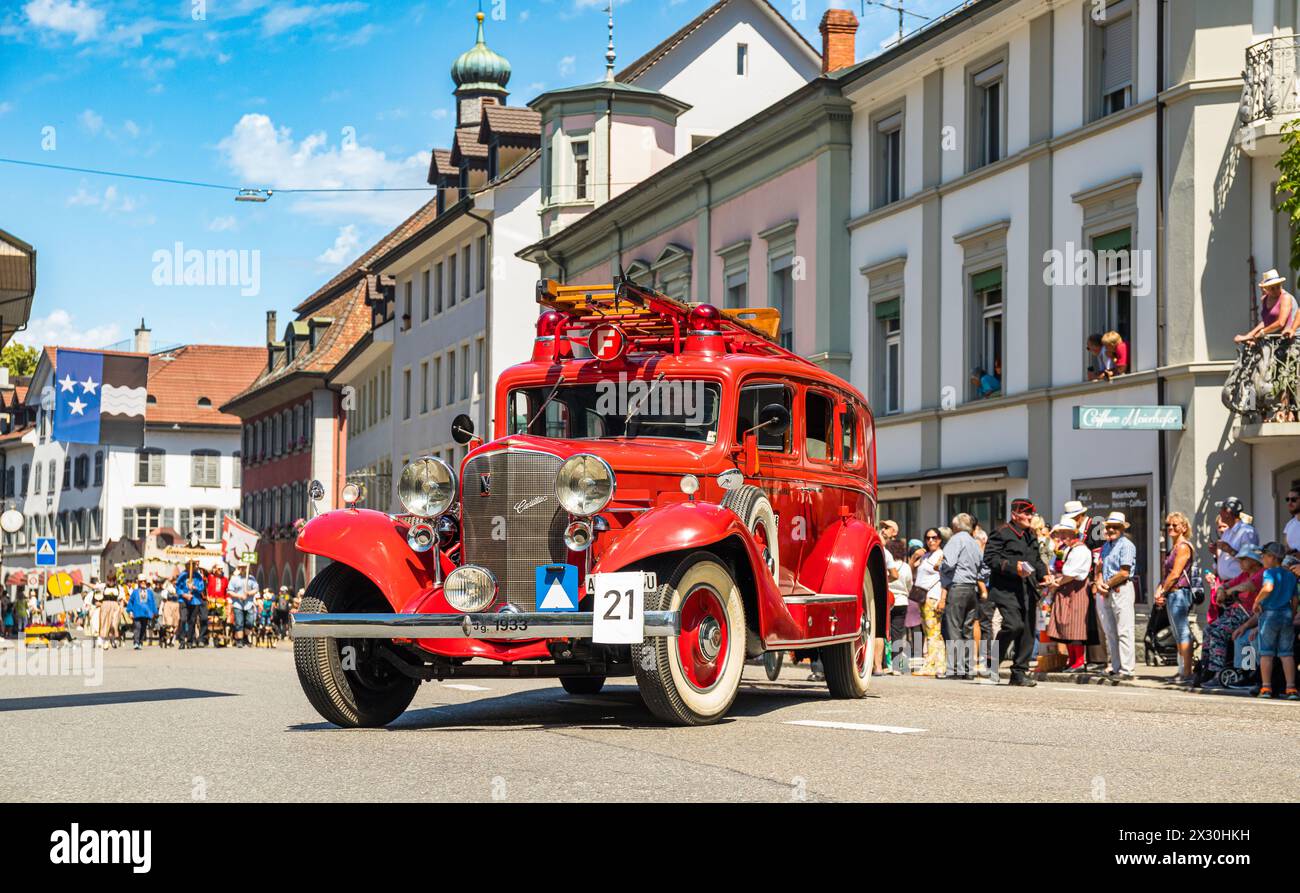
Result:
pixel 47 551
pixel 557 587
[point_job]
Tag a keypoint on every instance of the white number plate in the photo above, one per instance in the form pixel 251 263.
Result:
pixel 619 606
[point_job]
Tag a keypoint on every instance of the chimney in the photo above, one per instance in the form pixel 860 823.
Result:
pixel 839 29
pixel 142 338
pixel 270 326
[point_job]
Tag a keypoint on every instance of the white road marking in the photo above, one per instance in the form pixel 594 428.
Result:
pixel 852 726
pixel 462 686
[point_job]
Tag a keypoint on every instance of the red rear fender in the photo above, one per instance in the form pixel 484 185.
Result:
pixel 374 544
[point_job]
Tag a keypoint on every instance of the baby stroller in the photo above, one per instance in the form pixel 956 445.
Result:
pixel 1161 647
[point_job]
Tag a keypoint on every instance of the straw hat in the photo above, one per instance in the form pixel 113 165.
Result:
pixel 1065 525
pixel 1271 278
pixel 1073 509
pixel 1117 519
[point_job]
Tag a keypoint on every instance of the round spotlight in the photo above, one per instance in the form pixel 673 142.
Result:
pixel 578 536
pixel 427 487
pixel 421 537
pixel 690 484
pixel 470 588
pixel 584 484
pixel 352 493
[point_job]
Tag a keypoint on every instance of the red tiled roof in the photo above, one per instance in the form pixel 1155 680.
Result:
pixel 422 216
pixel 15 434
pixel 508 121
pixel 440 163
pixel 467 147
pixel 179 379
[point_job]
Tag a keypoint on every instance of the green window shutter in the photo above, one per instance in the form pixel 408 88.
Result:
pixel 986 280
pixel 1120 240
pixel 887 309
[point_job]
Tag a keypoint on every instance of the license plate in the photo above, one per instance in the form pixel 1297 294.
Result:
pixel 618 606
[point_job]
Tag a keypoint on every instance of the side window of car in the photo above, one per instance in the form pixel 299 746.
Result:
pixel 850 444
pixel 819 425
pixel 751 402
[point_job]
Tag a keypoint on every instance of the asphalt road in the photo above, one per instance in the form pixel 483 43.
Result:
pixel 233 725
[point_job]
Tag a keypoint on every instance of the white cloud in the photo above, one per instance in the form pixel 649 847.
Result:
pixel 224 224
pixel 77 18
pixel 344 248
pixel 110 201
pixel 6 108
pixel 567 65
pixel 91 120
pixel 262 155
pixel 60 328
pixel 436 114
pixel 286 17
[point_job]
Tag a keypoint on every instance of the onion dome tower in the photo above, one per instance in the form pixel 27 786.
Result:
pixel 481 76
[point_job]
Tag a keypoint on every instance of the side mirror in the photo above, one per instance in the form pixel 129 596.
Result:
pixel 462 428
pixel 774 418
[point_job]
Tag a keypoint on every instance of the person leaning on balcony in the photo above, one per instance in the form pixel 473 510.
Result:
pixel 1116 351
pixel 1277 310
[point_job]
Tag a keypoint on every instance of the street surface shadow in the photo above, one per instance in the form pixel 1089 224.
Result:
pixel 616 707
pixel 99 698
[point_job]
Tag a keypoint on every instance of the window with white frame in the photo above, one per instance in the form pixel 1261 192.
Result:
pixel 204 522
pixel 149 467
pixel 888 158
pixel 464 273
pixel 987 92
pixel 581 169
pixel 1112 56
pixel 889 366
pixel 987 311
pixel 464 372
pixel 437 289
pixel 406 394
pixel 424 296
pixel 424 387
pixel 139 521
pixel 205 468
pixel 1110 302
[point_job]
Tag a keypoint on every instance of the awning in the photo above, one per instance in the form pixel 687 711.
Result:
pixel 1015 469
pixel 77 579
pixel 17 578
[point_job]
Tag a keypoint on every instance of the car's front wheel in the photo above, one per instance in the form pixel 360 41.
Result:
pixel 692 678
pixel 347 680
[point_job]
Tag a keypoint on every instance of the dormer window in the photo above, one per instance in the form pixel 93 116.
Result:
pixel 205 403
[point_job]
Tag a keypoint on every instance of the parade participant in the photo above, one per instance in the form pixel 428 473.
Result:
pixel 929 589
pixel 190 587
pixel 1077 512
pixel 960 575
pixel 1240 533
pixel 110 615
pixel 1174 593
pixel 1115 595
pixel 243 590
pixel 169 622
pixel 1069 590
pixel 1274 613
pixel 94 604
pixel 20 613
pixel 1015 566
pixel 280 618
pixel 143 608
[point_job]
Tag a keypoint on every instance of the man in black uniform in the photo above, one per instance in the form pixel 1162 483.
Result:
pixel 1015 566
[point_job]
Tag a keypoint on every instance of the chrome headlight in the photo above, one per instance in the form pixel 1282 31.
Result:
pixel 470 588
pixel 427 487
pixel 584 484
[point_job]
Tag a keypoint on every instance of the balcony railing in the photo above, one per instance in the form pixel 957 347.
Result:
pixel 1270 88
pixel 1262 386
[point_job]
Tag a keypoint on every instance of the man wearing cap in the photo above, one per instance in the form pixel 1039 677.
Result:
pixel 1115 597
pixel 1238 536
pixel 1015 568
pixel 1291 533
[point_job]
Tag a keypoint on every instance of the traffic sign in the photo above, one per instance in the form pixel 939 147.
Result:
pixel 47 551
pixel 59 585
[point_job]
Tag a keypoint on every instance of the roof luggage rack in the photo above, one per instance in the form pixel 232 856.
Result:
pixel 652 321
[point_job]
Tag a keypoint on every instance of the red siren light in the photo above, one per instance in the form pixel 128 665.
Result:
pixel 548 323
pixel 705 318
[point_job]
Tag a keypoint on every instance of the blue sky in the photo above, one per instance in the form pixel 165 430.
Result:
pixel 259 92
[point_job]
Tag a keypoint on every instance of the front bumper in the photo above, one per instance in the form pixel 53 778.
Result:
pixel 574 625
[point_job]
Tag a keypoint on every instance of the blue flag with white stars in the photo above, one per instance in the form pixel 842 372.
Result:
pixel 100 398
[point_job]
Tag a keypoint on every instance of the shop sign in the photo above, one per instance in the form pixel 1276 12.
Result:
pixel 1128 418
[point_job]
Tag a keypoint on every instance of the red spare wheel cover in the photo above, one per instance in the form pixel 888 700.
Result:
pixel 607 342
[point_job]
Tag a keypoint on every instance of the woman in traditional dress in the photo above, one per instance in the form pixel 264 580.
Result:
pixel 171 615
pixel 110 615
pixel 1069 589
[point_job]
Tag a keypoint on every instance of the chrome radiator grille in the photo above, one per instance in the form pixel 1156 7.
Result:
pixel 521 510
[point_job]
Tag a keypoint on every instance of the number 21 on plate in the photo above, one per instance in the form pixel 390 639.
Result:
pixel 619 607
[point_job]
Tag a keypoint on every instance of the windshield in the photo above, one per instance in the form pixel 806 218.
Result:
pixel 679 409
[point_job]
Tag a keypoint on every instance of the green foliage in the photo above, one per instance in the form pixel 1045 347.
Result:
pixel 19 360
pixel 1288 184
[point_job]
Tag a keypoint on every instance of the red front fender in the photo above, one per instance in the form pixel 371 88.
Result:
pixel 683 526
pixel 374 544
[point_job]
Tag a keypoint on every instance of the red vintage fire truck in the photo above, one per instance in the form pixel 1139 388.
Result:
pixel 667 493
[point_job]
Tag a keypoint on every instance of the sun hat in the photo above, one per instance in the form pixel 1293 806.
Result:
pixel 1117 519
pixel 1252 553
pixel 1271 277
pixel 1073 509
pixel 1065 524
